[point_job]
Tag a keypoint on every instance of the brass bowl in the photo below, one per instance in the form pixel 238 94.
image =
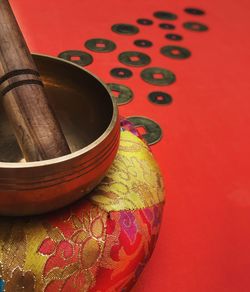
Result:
pixel 89 119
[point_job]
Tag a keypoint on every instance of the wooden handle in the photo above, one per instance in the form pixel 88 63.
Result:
pixel 36 128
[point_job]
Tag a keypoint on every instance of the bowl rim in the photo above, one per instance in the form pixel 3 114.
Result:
pixel 61 159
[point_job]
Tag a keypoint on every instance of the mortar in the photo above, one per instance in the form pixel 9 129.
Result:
pixel 88 115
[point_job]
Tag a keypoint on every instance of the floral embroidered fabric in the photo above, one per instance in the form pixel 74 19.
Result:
pixel 100 243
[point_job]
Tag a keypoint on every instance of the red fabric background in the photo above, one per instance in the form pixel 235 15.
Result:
pixel 204 154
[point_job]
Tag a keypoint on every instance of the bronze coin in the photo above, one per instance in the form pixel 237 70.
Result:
pixel 194 11
pixel 153 130
pixel 195 26
pixel 125 93
pixel 175 52
pixel 165 15
pixel 123 28
pixel 167 26
pixel 143 43
pixel 100 45
pixel 132 58
pixel 144 21
pixel 173 37
pixel 122 73
pixel 78 57
pixel 158 76
pixel 159 97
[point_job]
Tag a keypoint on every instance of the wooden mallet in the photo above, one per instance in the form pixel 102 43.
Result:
pixel 36 128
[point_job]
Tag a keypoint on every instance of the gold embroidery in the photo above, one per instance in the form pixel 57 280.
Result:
pixel 19 241
pixel 133 181
pixel 85 242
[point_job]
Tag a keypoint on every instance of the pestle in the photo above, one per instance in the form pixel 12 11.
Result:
pixel 36 128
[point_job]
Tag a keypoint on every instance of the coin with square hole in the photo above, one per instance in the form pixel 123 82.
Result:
pixel 122 73
pixel 152 131
pixel 132 58
pixel 126 29
pixel 169 26
pixel 125 94
pixel 195 26
pixel 160 98
pixel 78 57
pixel 158 76
pixel 175 52
pixel 144 21
pixel 143 43
pixel 173 37
pixel 100 45
pixel 194 11
pixel 165 15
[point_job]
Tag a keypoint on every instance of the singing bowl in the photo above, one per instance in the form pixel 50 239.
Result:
pixel 89 119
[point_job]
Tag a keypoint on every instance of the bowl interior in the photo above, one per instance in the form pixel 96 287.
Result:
pixel 81 103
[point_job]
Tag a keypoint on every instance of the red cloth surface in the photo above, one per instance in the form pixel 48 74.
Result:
pixel 204 153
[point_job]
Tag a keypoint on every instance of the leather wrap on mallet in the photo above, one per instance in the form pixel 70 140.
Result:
pixel 38 132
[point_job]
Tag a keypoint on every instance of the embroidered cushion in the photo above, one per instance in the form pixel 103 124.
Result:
pixel 100 243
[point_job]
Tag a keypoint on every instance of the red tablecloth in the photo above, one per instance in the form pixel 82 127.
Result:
pixel 204 152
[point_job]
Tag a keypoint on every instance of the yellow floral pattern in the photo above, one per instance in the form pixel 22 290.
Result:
pixel 134 180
